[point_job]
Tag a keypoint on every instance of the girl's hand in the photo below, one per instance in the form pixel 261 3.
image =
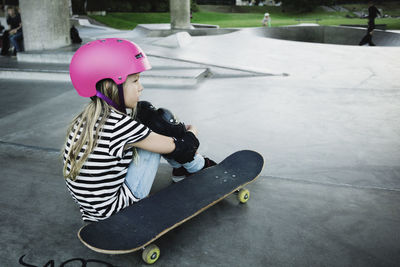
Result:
pixel 192 129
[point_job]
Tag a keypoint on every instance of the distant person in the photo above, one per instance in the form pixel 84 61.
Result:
pixel 1 28
pixel 15 31
pixel 5 42
pixel 74 34
pixel 372 14
pixel 367 39
pixel 266 20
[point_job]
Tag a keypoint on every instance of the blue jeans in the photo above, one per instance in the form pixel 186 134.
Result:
pixel 141 173
pixel 16 41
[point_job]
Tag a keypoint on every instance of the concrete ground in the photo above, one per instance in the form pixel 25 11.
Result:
pixel 325 117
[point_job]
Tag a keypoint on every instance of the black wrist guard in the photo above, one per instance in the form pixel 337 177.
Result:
pixel 185 148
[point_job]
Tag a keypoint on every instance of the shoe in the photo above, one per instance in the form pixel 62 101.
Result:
pixel 208 163
pixel 178 174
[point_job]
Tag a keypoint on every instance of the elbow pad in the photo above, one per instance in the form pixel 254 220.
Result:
pixel 185 148
pixel 161 121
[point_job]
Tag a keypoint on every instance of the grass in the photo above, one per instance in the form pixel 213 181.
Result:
pixel 389 8
pixel 128 21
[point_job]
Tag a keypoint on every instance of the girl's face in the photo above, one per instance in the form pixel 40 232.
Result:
pixel 11 12
pixel 132 90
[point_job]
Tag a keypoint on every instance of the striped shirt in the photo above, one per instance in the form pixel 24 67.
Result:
pixel 99 189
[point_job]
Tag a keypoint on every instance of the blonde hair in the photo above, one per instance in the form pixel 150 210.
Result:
pixel 85 128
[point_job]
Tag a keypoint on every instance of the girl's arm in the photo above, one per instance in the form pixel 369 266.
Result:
pixel 13 31
pixel 157 143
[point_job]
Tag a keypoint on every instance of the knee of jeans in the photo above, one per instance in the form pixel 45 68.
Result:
pixel 149 156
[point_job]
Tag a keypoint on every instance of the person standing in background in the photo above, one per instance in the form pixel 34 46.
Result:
pixel 266 20
pixel 15 31
pixel 372 14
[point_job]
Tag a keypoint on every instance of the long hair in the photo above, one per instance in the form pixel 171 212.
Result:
pixel 85 128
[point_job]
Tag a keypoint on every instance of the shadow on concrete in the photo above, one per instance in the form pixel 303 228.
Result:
pixel 327 35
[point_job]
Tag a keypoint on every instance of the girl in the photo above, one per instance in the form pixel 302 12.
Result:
pixel 111 159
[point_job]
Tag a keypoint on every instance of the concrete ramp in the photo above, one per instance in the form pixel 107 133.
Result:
pixel 164 30
pixel 328 35
pixel 176 40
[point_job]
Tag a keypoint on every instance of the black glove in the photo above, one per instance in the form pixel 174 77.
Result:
pixel 185 148
pixel 161 121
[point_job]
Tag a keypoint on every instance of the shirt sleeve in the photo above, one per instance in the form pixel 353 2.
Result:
pixel 126 131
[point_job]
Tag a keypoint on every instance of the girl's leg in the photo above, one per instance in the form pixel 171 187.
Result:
pixel 141 174
pixel 15 39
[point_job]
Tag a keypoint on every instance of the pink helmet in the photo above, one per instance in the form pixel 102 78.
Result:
pixel 111 58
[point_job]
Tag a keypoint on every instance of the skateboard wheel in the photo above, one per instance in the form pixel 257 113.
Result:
pixel 243 195
pixel 151 254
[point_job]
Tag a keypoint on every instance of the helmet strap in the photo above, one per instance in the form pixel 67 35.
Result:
pixel 120 107
pixel 108 101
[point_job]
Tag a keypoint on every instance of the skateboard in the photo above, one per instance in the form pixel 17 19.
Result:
pixel 138 226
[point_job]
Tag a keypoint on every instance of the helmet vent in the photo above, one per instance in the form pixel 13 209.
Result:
pixel 119 41
pixel 140 55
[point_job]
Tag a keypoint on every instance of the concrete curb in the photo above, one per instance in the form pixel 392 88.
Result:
pixel 158 78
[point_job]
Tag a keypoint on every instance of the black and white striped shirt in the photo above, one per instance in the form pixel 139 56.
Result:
pixel 99 189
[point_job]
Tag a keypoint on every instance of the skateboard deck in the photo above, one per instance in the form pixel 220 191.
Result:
pixel 137 226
